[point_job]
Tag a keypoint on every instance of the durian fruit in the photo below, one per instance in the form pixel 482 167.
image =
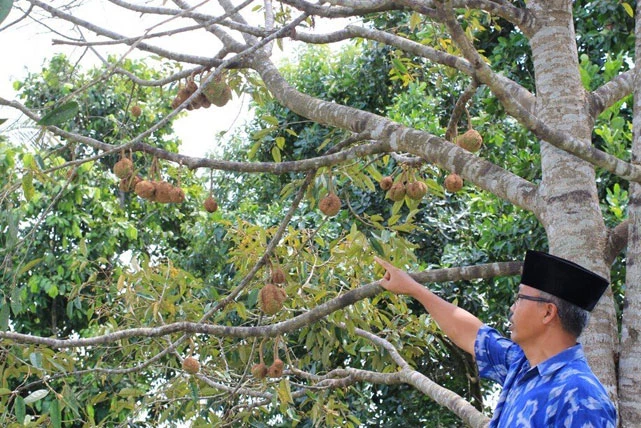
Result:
pixel 416 190
pixel 271 299
pixel 278 276
pixel 396 192
pixel 453 183
pixel 128 184
pixel 217 91
pixel 183 93
pixel 163 192
pixel 260 370
pixel 471 141
pixel 181 97
pixel 191 86
pixel 210 204
pixel 123 168
pixel 136 111
pixel 145 189
pixel 330 205
pixel 191 365
pixel 176 195
pixel 276 369
pixel 386 182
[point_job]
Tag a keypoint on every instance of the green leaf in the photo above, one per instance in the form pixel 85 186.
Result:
pixel 5 8
pixel 4 317
pixel 626 6
pixel 252 298
pixel 28 266
pixel 270 119
pixel 276 154
pixel 60 114
pixel 3 120
pixel 36 360
pixel 19 409
pixel 55 414
pixel 36 395
pixel 27 186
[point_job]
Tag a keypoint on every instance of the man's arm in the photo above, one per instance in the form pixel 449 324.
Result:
pixel 458 324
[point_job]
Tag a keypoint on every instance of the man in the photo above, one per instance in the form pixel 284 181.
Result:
pixel 545 377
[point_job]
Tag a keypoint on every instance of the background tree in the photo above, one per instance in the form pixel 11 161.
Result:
pixel 113 321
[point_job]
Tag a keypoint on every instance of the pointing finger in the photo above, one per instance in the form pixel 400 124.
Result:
pixel 383 263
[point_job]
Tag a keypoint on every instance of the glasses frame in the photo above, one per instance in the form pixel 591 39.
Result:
pixel 530 298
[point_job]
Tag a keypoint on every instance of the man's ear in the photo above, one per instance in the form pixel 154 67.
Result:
pixel 551 312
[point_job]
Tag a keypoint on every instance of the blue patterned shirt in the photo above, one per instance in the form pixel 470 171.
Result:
pixel 561 391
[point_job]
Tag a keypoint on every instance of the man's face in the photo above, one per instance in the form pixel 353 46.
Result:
pixel 525 315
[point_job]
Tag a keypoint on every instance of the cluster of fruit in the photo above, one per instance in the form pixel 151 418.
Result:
pixel 216 92
pixel 261 371
pixel 396 191
pixel 156 191
pixel 471 141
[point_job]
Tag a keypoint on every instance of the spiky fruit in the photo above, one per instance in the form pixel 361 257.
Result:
pixel 216 91
pixel 191 365
pixel 259 371
pixel 136 111
pixel 330 205
pixel 163 192
pixel 203 101
pixel 396 192
pixel 471 141
pixel 271 299
pixel 123 168
pixel 276 369
pixel 181 97
pixel 416 190
pixel 191 87
pixel 453 183
pixel 129 184
pixel 224 97
pixel 145 189
pixel 386 182
pixel 176 195
pixel 278 276
pixel 210 204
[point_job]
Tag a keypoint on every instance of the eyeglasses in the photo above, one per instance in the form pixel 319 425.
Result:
pixel 531 298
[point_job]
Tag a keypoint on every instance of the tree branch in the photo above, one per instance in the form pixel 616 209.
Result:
pixel 451 274
pixel 609 93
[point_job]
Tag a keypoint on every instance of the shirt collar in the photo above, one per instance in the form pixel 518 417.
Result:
pixel 553 364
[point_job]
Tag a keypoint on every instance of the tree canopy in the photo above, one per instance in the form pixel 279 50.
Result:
pixel 144 286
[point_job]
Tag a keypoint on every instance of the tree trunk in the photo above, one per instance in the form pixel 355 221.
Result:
pixel 569 206
pixel 629 363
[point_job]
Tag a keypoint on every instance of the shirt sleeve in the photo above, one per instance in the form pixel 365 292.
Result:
pixel 494 354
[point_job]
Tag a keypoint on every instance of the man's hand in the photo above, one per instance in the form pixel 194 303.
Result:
pixel 396 280
pixel 457 323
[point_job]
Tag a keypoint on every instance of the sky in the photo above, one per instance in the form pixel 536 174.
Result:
pixel 27 47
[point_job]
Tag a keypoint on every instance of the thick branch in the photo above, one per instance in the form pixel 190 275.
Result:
pixel 617 241
pixel 611 92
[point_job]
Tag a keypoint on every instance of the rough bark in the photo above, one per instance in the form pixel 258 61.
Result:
pixel 629 362
pixel 570 210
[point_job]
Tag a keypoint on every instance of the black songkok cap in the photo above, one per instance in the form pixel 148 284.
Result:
pixel 563 278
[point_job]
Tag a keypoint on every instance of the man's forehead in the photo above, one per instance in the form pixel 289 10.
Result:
pixel 527 289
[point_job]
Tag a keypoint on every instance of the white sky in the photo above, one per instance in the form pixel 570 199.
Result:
pixel 27 47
